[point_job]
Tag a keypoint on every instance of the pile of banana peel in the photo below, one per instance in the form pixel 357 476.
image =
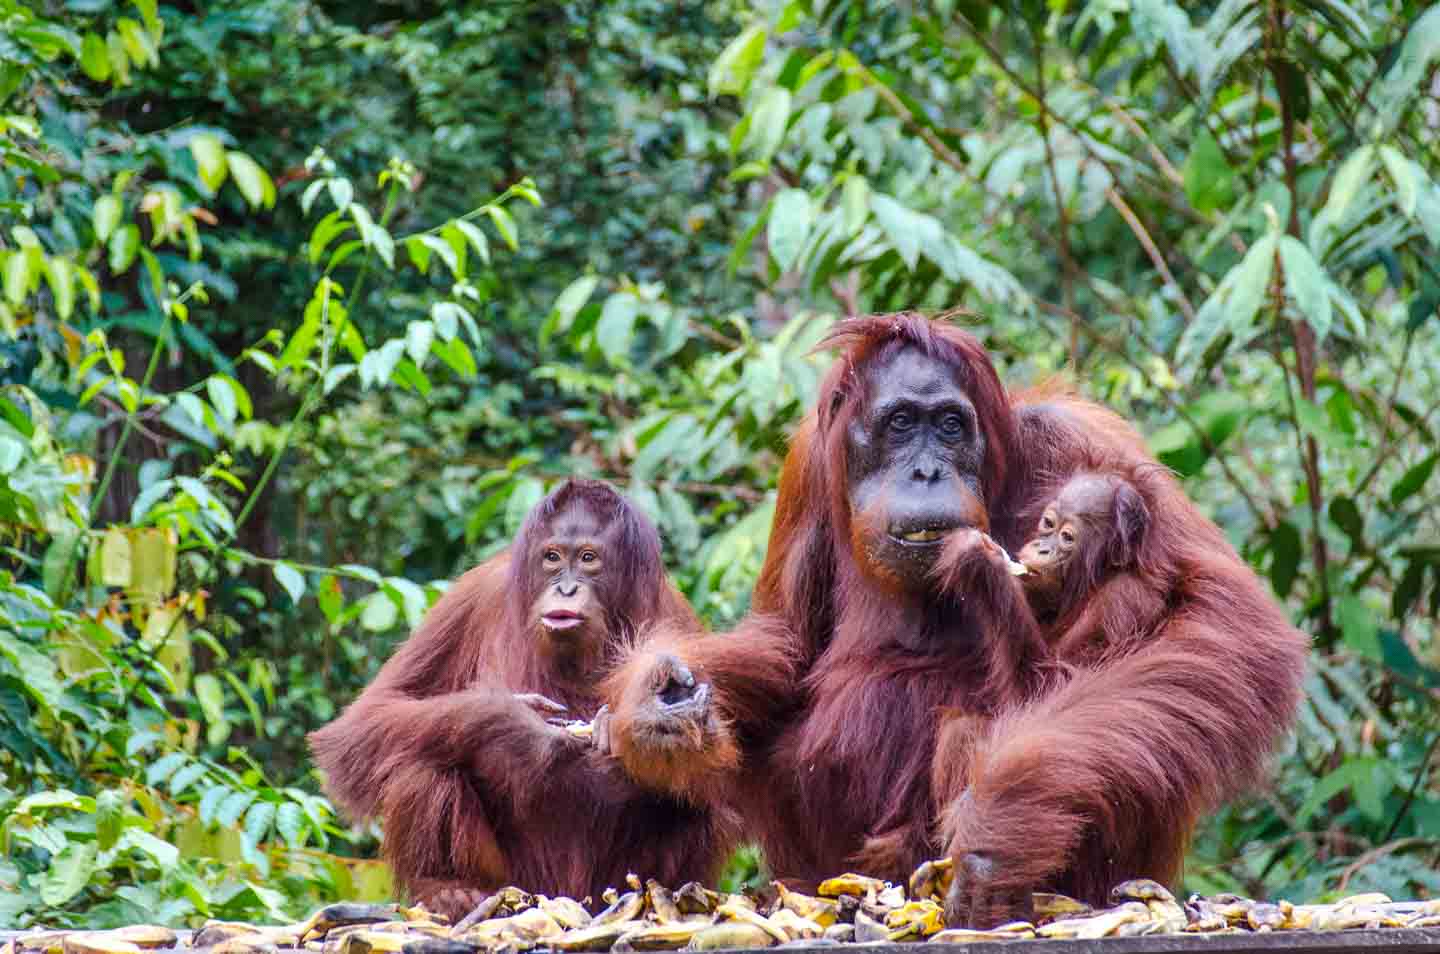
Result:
pixel 648 916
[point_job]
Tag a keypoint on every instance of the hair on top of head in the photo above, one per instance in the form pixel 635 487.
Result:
pixel 870 339
pixel 866 340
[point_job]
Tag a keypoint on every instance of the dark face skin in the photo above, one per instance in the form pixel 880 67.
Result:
pixel 915 455
pixel 1075 519
pixel 568 611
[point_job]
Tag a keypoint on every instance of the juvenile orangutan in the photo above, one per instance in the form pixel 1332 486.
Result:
pixel 1083 565
pixel 455 745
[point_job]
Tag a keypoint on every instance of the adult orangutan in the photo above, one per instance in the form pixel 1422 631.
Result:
pixel 450 745
pixel 923 717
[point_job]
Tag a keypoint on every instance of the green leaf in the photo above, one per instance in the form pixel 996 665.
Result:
pixel 106 216
pixel 1284 557
pixel 1306 281
pixel 291 579
pixel 736 64
pixel 150 13
pixel 232 807
pixel 161 770
pixel 210 803
pixel 209 153
pixel 1232 307
pixel 222 396
pixel 418 337
pixel 1351 176
pixel 1346 515
pixel 290 822
pixel 442 248
pixel 767 123
pixel 1359 626
pixel 327 229
pixel 60 276
pixel 211 697
pixel 330 597
pixel 124 246
pixel 1407 176
pixel 789 226
pixel 258 820
pixel 380 612
pixel 69 872
pixel 901 226
pixel 187 776
pixel 12 452
pixel 109 818
pixel 856 202
pixel 615 330
pixel 95 58
pixel 457 357
pixel 254 182
pixel 17 277
pixel 139 45
pixel 475 237
pixel 1409 484
pixel 164 854
pixel 568 304
pixel 504 224
pixel 1209 180
pixel 119 62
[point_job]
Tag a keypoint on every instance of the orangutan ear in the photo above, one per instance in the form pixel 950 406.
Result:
pixel 1129 522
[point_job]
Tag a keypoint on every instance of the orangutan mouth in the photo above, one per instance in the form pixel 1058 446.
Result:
pixel 561 619
pixel 923 536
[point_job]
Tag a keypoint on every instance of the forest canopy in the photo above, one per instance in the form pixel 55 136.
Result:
pixel 304 305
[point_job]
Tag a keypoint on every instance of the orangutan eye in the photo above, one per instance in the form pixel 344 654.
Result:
pixel 901 421
pixel 589 556
pixel 552 556
pixel 1067 535
pixel 1046 523
pixel 952 425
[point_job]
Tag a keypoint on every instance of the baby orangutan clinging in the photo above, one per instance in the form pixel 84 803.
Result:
pixel 1082 566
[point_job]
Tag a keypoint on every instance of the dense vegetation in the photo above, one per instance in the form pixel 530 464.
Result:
pixel 302 305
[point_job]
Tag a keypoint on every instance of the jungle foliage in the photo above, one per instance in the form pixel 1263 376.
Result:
pixel 303 304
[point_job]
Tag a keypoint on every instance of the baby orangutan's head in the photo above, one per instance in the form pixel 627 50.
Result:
pixel 1093 527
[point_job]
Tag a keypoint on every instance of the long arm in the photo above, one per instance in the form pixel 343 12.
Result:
pixel 1104 778
pixel 751 674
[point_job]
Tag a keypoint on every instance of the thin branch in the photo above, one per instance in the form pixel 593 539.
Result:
pixel 1067 256
pixel 1151 249
pixel 1385 437
pixel 1303 334
pixel 1265 516
pixel 1375 854
pixel 1112 193
pixel 1421 773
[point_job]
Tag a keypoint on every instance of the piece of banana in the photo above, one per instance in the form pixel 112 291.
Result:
pixel 730 935
pixel 662 903
pixel 932 879
pixel 857 885
pixel 822 911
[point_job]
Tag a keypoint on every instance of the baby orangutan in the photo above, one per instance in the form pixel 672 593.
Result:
pixel 1086 580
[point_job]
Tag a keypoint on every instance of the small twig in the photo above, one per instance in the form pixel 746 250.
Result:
pixel 1385 437
pixel 1303 335
pixel 1067 257
pixel 1421 772
pixel 1375 854
pixel 1151 249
